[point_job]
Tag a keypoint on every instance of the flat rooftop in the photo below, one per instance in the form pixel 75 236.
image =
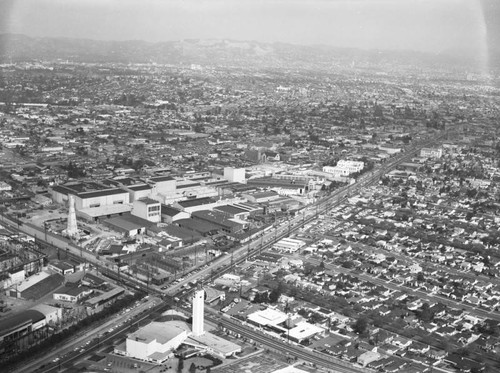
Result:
pixel 268 316
pixel 196 202
pixel 102 193
pixel 215 343
pixel 149 201
pixel 32 280
pixel 304 330
pixel 128 222
pixel 159 179
pixel 162 332
pixel 95 212
pixel 230 209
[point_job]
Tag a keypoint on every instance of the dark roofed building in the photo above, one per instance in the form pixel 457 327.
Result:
pixel 195 202
pixel 260 197
pixel 170 214
pixel 101 193
pixel 220 219
pixel 237 187
pixel 138 188
pixel 14 326
pixel 204 228
pixel 159 179
pixel 129 224
pixel 71 294
pixel 233 211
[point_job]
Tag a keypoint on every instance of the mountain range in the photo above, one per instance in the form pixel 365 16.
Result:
pixel 17 47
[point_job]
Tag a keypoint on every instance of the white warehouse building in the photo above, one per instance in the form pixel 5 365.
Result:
pixel 289 245
pixel 344 168
pixel 156 341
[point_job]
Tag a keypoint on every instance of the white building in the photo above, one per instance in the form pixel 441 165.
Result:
pixel 198 312
pixel 268 316
pixel 289 245
pixel 303 330
pixel 147 208
pixel 156 341
pixel 431 152
pixel 234 175
pixel 4 186
pixel 344 168
pixel 368 357
pixel 53 315
pixel 101 198
pixel 163 185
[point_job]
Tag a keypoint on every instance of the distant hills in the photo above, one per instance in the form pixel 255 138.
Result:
pixel 16 47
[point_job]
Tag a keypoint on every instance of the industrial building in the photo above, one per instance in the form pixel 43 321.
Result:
pixel 288 245
pixel 157 341
pixel 148 209
pixel 344 168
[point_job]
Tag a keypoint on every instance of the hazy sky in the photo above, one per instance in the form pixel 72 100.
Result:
pixel 426 25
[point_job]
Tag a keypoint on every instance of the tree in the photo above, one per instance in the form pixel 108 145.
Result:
pixel 180 365
pixel 274 295
pixel 420 277
pixel 361 325
pixel 426 314
pixel 192 368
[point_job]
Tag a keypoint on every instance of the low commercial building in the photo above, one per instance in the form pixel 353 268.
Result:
pixel 214 345
pixel 368 357
pixel 288 245
pixel 71 294
pixel 267 317
pixel 261 197
pixel 303 331
pixel 129 225
pixel 62 268
pixel 431 152
pixel 170 214
pixel 98 302
pixel 219 219
pixel 233 211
